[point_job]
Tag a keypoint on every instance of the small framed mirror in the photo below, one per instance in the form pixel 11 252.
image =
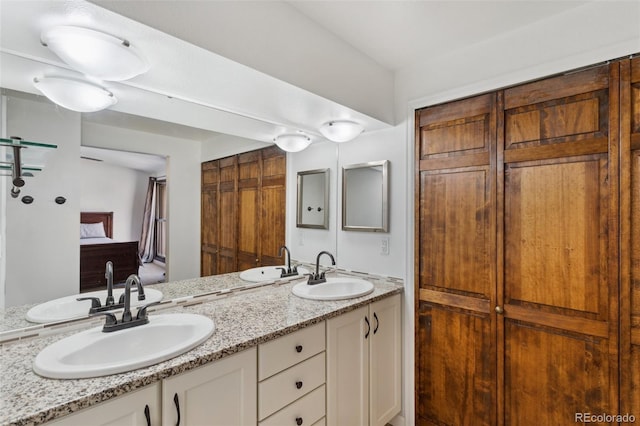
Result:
pixel 365 195
pixel 313 199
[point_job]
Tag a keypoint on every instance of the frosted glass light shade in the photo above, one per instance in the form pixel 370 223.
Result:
pixel 341 130
pixel 76 95
pixel 292 142
pixel 95 53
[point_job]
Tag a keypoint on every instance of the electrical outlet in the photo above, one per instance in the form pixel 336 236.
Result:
pixel 384 246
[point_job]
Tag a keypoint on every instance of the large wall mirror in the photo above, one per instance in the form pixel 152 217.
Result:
pixel 365 195
pixel 313 199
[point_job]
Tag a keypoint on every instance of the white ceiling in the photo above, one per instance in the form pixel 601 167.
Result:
pixel 256 69
pixel 398 33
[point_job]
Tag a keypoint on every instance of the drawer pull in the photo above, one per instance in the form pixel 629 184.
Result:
pixel 298 421
pixel 299 385
pixel 366 336
pixel 177 404
pixel 147 414
pixel 298 348
pixel 377 323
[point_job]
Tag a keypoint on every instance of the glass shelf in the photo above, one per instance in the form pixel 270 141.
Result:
pixel 33 154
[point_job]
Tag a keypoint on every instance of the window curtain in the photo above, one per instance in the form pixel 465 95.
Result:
pixel 146 248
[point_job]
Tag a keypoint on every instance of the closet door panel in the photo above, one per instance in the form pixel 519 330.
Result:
pixel 272 216
pixel 455 265
pixel 560 294
pixel 455 359
pixel 227 255
pixel 209 218
pixel 249 171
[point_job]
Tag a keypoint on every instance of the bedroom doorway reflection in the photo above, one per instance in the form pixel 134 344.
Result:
pixel 133 187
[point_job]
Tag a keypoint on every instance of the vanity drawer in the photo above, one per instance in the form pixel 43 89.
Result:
pixel 285 387
pixel 281 353
pixel 309 409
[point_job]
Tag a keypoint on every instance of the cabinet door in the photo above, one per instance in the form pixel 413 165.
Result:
pixel 141 408
pixel 348 368
pixel 385 354
pixel 218 394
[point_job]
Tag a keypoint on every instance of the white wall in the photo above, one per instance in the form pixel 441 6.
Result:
pixel 3 207
pixel 106 187
pixel 42 253
pixel 306 243
pixel 222 145
pixel 183 189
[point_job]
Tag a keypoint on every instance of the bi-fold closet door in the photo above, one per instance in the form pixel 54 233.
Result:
pixel 518 222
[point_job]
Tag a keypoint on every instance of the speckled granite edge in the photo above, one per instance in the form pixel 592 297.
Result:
pixel 254 302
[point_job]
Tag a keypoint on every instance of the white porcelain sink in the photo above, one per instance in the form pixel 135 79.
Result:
pixel 333 289
pixel 266 273
pixel 92 353
pixel 66 308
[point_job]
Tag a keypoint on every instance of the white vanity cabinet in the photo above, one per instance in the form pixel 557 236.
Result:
pixel 291 374
pixel 364 364
pixel 220 393
pixel 139 408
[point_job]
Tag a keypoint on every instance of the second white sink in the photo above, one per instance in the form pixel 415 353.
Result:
pixel 334 289
pixel 92 353
pixel 266 273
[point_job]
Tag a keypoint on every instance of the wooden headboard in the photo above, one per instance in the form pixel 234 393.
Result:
pixel 97 217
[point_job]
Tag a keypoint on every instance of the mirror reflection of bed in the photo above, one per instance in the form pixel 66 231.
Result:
pixel 97 247
pixel 123 218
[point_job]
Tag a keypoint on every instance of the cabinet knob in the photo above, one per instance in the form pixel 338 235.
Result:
pixel 299 385
pixel 299 348
pixel 298 421
pixel 499 310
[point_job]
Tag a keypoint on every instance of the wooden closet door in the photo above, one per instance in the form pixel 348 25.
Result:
pixel 209 217
pixel 455 263
pixel 228 190
pixel 249 183
pixel 273 206
pixel 630 297
pixel 559 337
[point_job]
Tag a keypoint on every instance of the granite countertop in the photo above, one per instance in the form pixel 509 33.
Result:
pixel 244 318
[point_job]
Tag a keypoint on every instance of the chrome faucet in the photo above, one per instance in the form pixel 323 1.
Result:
pixel 109 303
pixel 318 277
pixel 127 321
pixel 288 272
pixel 108 275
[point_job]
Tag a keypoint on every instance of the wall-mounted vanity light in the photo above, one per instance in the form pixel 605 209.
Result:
pixel 75 94
pixel 95 53
pixel 341 130
pixel 292 142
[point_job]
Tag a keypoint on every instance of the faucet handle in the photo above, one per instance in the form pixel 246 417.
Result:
pixel 95 303
pixel 142 311
pixel 110 320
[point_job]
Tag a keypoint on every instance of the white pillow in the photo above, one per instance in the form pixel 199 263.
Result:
pixel 92 230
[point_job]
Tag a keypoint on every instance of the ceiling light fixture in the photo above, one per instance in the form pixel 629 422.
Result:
pixel 341 130
pixel 74 94
pixel 95 53
pixel 292 142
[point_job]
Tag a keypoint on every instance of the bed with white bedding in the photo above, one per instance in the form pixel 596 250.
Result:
pixel 97 247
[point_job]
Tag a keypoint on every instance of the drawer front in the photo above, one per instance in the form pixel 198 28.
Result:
pixel 308 410
pixel 321 422
pixel 287 386
pixel 282 353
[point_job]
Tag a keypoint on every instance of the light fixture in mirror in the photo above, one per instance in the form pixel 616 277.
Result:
pixel 313 199
pixel 74 94
pixel 341 130
pixel 95 53
pixel 365 195
pixel 292 142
